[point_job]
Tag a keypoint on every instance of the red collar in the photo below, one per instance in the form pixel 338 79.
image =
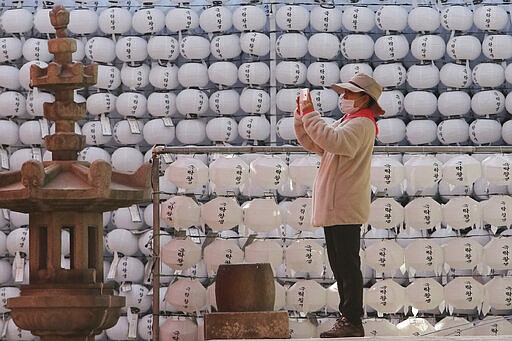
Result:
pixel 368 113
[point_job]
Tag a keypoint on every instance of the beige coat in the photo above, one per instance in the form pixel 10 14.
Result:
pixel 341 193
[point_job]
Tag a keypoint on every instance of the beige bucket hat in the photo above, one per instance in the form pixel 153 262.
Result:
pixel 361 82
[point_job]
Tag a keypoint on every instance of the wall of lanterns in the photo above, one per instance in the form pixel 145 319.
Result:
pixel 225 73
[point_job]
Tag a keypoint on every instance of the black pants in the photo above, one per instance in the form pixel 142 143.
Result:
pixel 343 243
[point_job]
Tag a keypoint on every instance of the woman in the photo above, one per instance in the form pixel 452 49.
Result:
pixel 341 193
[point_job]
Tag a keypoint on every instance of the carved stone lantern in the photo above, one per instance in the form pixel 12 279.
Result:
pixel 66 194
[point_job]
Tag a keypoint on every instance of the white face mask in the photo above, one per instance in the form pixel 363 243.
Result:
pixel 348 106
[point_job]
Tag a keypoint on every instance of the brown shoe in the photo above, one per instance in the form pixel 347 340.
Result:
pixel 344 328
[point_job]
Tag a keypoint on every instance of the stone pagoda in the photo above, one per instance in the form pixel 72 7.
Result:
pixel 66 194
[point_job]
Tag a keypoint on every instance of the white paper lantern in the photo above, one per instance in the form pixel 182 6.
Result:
pixel 285 130
pixel 35 102
pixel 101 103
pixel 424 294
pixel 193 75
pixel 13 332
pixel 420 132
pixel 10 132
pixel 115 20
pixel 42 21
pixel 109 77
pixel 325 19
pixel 455 75
pixel 222 129
pixel 391 130
pixel 225 102
pixel 484 131
pixel 424 19
pixel 181 254
pixel 292 17
pixel 221 213
pixel 131 104
pixel 385 172
pixel 181 18
pixel 497 210
pixel 228 172
pixel 135 77
pixel 191 131
pixel 463 293
pixel 286 99
pixel 391 18
pixel 291 72
pixel 157 131
pixel 423 255
pixel 306 296
pixel 264 251
pixel 225 46
pixel 223 73
pixel 187 172
pixel 191 102
pixel 187 295
pixel 491 326
pixel 324 46
pixel 163 48
pixel 423 213
pixel 462 212
pixel 422 171
pixel 415 326
pixel 261 214
pixel 488 102
pixel 488 75
pixel 390 75
pixel 323 73
pixel 463 254
pixel 126 159
pixel 164 76
pixel 269 172
pixel 391 47
pixel 357 46
pixel 83 21
pixel 180 212
pixel 461 170
pixel 454 103
pixel 255 43
pixel 254 73
pixel 131 49
pixel 122 241
pixel 23 75
pixel 148 20
pixel 496 253
pixel 453 131
pixel 386 296
pixel 358 19
pixel 222 251
pixel 291 45
pixel 129 269
pixel 348 71
pixel 254 101
pixel 36 49
pixel 457 18
pixel 298 214
pixel 496 169
pixel 490 18
pixel 216 19
pixel 17 20
pixel 303 170
pixel 254 128
pixel 249 18
pixel 420 103
pixel 31 133
pixel 452 325
pixel 423 76
pixel 385 256
pixel 183 329
pixel 385 213
pixel 466 47
pixel 379 326
pixel 124 134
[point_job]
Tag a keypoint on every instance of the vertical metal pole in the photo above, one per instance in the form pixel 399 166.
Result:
pixel 273 83
pixel 155 177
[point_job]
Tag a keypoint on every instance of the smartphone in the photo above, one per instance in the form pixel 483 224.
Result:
pixel 304 95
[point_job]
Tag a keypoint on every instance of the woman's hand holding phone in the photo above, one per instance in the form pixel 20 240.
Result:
pixel 305 104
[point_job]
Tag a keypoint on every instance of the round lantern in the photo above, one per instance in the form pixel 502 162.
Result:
pixel 157 131
pixel 497 210
pixel 261 214
pixel 357 46
pixel 225 102
pixel 181 254
pixel 255 43
pixel 466 47
pixel 428 47
pixel 453 131
pixel 181 328
pixel 131 49
pixel 497 294
pixel 254 73
pixel 292 17
pixel 131 104
pixel 462 212
pixel 488 75
pixel 284 128
pixel 228 172
pixel 42 21
pixel 30 133
pixel 298 214
pixel 268 171
pixel 391 130
pixel 187 173
pixel 390 75
pixel 222 129
pixel 420 103
pixel 385 172
pixel 221 213
pixel 422 255
pixel 506 131
pixel 424 19
pixel 286 99
pixel 129 269
pixel 163 48
pixel 423 213
pixel 423 76
pixel 191 131
pixel 463 254
pixel 496 169
pixel 385 213
pixel 36 49
pixel 181 19
pixel 23 75
pixel 349 70
pixel 225 46
pixel 325 19
pixel 163 76
pixel 379 326
pixel 101 103
pixel 137 298
pixel 306 296
pixel 488 102
pixel 124 135
pixel 192 102
pixel 324 100
pixel 384 256
pixel 457 18
pixel 115 20
pixel 391 18
pixel 484 131
pixel 249 18
pixel 358 19
pixel 420 132
pixel 17 20
pixel 223 73
pixel 148 20
pixel 424 294
pixel 264 251
pixel 100 49
pixel 454 103
pixel 222 251
pixel 496 253
pixel 291 72
pixel 391 47
pixel 193 75
pixel 90 154
pixel 122 241
pixel 135 77
pixel 109 77
pixel 323 73
pixel 35 101
pixel 463 294
pixel 5 294
pixel 187 295
pixel 386 296
pixel 292 45
pixel 461 170
pixel 129 218
pixel 180 212
pixel 254 101
pixel 161 104
pixel 422 171
pixel 303 170
pixel 254 128
pixel 490 18
pixel 324 46
pixel 10 131
pixel 455 75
